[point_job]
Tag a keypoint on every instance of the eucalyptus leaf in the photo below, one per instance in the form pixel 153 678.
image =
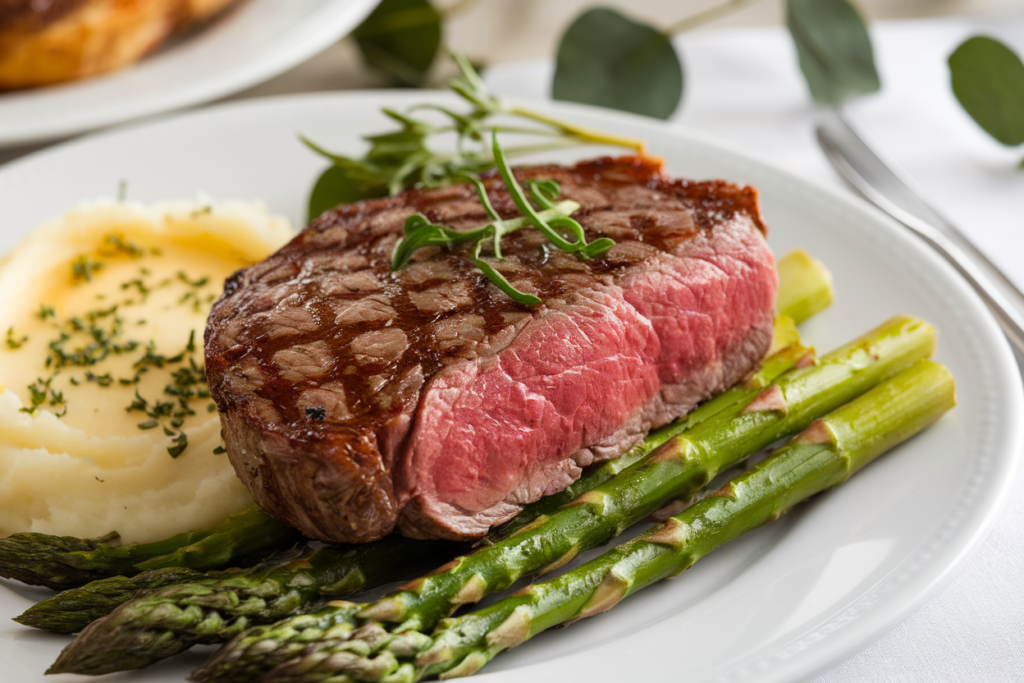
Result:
pixel 834 49
pixel 333 187
pixel 609 60
pixel 401 37
pixel 988 79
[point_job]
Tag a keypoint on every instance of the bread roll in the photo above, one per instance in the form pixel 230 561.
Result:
pixel 43 42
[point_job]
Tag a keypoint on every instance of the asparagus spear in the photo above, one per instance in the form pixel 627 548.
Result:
pixel 805 285
pixel 212 609
pixel 681 466
pixel 155 625
pixel 72 610
pixel 828 452
pixel 61 562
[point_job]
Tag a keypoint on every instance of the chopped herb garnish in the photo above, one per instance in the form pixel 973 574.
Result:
pixel 87 339
pixel 151 358
pixel 219 450
pixel 102 331
pixel 115 244
pixel 104 380
pixel 83 268
pixel 193 294
pixel 161 409
pixel 180 444
pixel 139 285
pixel 201 282
pixel 57 399
pixel 38 392
pixel 14 342
pixel 138 404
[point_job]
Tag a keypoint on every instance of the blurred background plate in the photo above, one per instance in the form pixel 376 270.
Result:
pixel 249 43
pixel 782 603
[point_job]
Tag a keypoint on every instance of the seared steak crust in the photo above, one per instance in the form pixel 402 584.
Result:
pixel 354 399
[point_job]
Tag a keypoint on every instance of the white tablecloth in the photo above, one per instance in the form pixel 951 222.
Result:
pixel 743 85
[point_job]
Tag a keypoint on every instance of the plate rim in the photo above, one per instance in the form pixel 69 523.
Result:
pixel 830 651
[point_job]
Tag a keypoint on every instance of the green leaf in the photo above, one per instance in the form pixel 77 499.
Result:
pixel 612 61
pixel 333 187
pixel 834 49
pixel 401 37
pixel 988 79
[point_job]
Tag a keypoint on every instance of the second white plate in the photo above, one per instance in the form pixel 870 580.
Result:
pixel 780 604
pixel 251 42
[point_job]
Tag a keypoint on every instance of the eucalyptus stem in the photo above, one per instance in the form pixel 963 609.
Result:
pixel 582 133
pixel 707 16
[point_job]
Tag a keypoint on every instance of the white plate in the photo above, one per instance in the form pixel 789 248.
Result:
pixel 780 604
pixel 248 44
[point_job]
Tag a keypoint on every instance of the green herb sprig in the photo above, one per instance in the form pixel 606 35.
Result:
pixel 41 394
pixel 401 159
pixel 553 220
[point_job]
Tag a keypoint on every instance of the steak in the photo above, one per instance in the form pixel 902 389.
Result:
pixel 355 400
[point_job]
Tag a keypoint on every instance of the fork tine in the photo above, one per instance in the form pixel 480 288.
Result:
pixel 871 177
pixel 883 175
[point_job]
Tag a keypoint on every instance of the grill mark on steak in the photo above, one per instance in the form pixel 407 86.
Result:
pixel 446 404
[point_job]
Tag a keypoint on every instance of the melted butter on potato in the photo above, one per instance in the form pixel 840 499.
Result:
pixel 105 418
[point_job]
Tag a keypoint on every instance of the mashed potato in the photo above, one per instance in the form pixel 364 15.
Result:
pixel 105 418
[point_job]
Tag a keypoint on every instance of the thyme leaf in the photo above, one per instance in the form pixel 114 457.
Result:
pixel 553 220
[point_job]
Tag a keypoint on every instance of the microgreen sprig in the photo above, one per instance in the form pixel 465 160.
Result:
pixel 553 220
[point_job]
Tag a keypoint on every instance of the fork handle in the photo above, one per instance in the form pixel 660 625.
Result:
pixel 1009 317
pixel 1008 288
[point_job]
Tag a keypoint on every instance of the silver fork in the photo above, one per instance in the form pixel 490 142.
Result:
pixel 866 173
